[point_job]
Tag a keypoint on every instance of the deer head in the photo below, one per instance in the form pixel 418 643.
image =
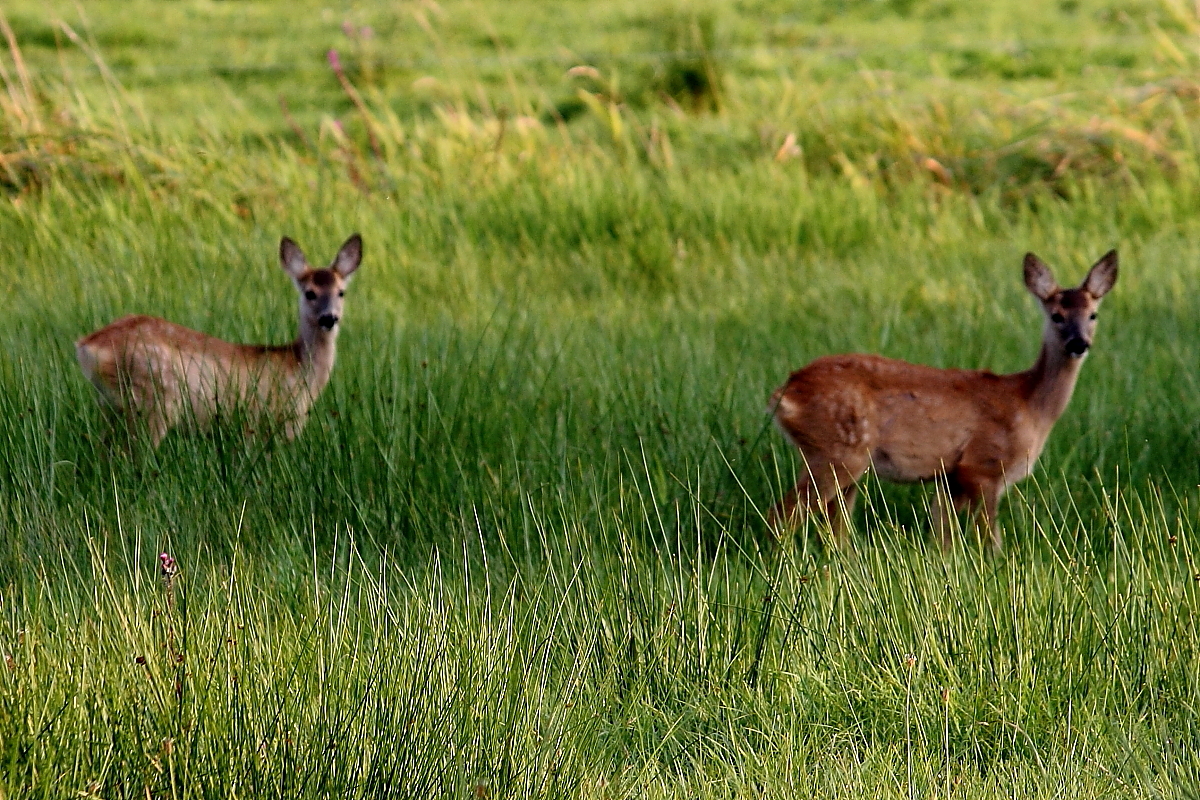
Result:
pixel 1071 313
pixel 321 290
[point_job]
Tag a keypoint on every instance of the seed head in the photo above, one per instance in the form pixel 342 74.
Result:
pixel 584 71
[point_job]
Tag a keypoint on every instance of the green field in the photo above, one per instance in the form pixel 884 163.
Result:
pixel 519 549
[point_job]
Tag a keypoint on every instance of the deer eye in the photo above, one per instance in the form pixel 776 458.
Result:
pixel 310 295
pixel 1093 316
pixel 1057 318
pixel 343 294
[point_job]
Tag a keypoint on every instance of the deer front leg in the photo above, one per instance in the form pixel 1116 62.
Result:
pixel 983 490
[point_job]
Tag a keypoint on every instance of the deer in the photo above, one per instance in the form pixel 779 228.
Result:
pixel 974 433
pixel 160 374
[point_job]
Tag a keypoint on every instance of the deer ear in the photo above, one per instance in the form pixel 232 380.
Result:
pixel 1038 278
pixel 1101 276
pixel 349 257
pixel 292 259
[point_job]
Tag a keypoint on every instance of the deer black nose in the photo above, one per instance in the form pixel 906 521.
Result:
pixel 1077 347
pixel 327 321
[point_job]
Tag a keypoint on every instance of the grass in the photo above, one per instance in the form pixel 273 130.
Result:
pixel 518 550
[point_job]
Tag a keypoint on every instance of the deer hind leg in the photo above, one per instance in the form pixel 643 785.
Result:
pixel 293 425
pixel 825 487
pixel 144 419
pixel 113 432
pixel 157 426
pixel 989 501
pixel 151 405
pixel 785 515
pixel 839 511
pixel 839 492
pixel 121 414
pixel 949 500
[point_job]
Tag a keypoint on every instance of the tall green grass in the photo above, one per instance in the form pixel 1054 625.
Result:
pixel 519 545
pixel 519 548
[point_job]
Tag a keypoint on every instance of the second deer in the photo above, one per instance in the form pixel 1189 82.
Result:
pixel 973 432
pixel 160 374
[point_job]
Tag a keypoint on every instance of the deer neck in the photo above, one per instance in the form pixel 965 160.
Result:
pixel 1051 382
pixel 316 350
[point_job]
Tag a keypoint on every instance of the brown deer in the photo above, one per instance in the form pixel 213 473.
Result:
pixel 161 373
pixel 973 432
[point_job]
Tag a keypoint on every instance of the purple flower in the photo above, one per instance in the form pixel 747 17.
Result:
pixel 334 61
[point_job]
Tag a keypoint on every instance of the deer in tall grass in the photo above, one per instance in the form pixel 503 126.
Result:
pixel 973 432
pixel 161 374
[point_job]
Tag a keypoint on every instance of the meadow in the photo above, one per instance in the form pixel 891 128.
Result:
pixel 519 549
